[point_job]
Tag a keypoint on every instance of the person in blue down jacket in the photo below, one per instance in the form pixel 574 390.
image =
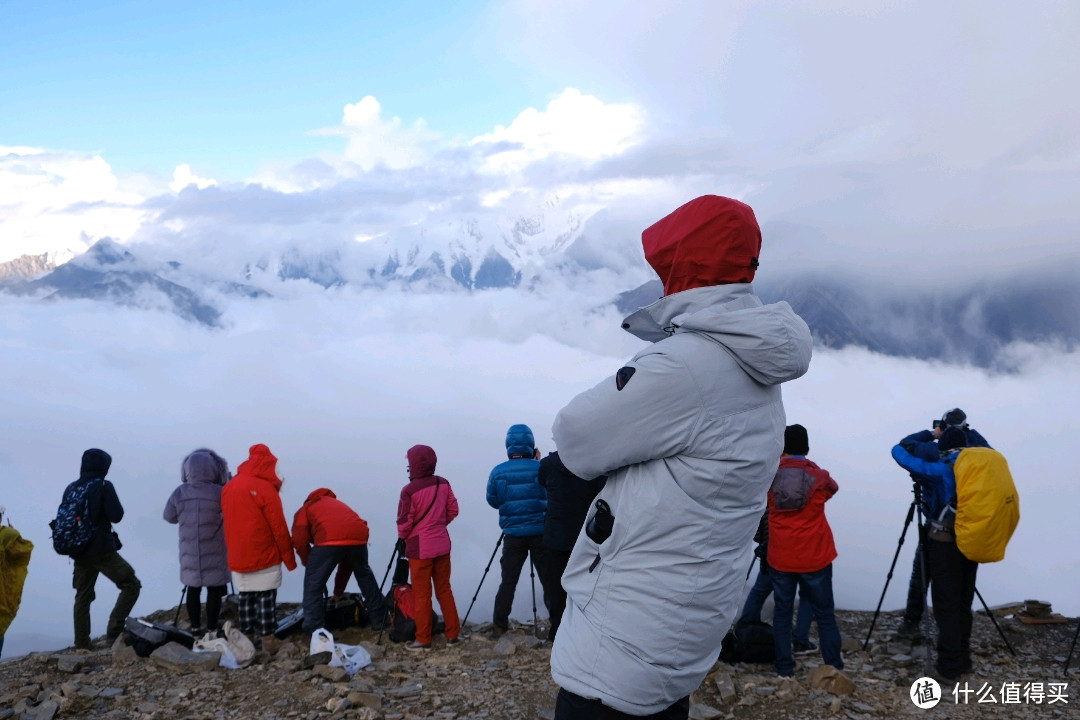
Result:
pixel 924 445
pixel 195 505
pixel 689 433
pixel 514 490
pixel 952 576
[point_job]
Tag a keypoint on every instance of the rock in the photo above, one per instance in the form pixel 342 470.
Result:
pixel 70 663
pixel 333 674
pixel 177 658
pixel 336 705
pixel 901 659
pixel 410 690
pixel 365 699
pixel 831 680
pixel 505 647
pixel 377 652
pixel 725 685
pixel 111 692
pixel 45 711
pixel 530 642
pixel 366 713
pixel 317 659
pixel 123 654
pixel 851 644
pixel 704 712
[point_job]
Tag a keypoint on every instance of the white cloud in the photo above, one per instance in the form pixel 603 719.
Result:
pixel 572 124
pixel 373 141
pixel 61 202
pixel 183 177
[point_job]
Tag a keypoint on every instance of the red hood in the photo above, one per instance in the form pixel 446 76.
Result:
pixel 711 240
pixel 262 464
pixel 320 493
pixel 421 461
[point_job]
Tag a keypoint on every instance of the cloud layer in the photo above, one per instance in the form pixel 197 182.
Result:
pixel 340 384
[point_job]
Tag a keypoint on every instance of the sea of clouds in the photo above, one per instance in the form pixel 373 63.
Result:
pixel 341 384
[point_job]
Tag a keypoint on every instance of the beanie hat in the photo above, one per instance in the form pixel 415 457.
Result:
pixel 95 463
pixel 954 418
pixel 951 439
pixel 795 440
pixel 712 240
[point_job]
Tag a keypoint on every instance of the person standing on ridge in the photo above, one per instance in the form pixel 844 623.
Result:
pixel 196 507
pixel 513 490
pixel 801 550
pixel 689 434
pixel 101 556
pixel 426 506
pixel 258 541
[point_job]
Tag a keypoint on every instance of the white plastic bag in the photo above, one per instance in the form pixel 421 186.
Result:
pixel 350 657
pixel 242 648
pixel 209 643
pixel 321 641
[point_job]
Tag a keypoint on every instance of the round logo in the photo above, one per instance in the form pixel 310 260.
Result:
pixel 925 693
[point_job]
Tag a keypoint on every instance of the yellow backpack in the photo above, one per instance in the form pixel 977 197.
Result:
pixel 987 504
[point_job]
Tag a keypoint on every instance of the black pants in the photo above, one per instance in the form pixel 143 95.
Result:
pixel 84 578
pixel 916 594
pixel 515 551
pixel 320 565
pixel 556 596
pixel 214 594
pixel 952 588
pixel 569 706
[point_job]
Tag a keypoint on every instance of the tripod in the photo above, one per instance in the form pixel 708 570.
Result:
pixel 1075 635
pixel 493 552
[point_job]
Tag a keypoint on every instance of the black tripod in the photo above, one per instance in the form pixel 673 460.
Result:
pixel 913 509
pixel 493 552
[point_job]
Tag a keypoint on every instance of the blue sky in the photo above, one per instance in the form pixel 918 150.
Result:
pixel 224 86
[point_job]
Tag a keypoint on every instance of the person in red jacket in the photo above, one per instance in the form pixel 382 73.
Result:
pixel 338 535
pixel 801 549
pixel 257 541
pixel 427 505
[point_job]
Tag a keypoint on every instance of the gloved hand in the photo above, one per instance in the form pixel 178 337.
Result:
pixel 400 547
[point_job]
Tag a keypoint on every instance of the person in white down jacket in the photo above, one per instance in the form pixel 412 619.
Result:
pixel 689 434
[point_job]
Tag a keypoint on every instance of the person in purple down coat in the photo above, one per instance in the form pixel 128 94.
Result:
pixel 196 506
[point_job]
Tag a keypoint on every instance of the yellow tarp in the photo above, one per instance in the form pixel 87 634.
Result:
pixel 14 560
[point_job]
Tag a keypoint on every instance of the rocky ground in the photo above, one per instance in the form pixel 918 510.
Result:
pixel 509 679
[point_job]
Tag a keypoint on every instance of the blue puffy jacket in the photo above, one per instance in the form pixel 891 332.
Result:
pixel 923 446
pixel 513 488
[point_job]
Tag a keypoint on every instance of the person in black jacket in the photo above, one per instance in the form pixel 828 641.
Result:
pixel 568 501
pixel 101 556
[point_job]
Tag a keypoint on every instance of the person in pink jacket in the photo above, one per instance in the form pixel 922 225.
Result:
pixel 426 507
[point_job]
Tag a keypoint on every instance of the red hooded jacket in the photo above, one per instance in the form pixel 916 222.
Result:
pixel 256 534
pixel 801 541
pixel 325 520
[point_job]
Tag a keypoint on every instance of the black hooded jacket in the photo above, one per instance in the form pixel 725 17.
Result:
pixel 105 507
pixel 568 501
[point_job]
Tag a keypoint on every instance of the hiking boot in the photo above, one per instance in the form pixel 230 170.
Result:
pixel 497 632
pixel 414 645
pixel 802 648
pixel 453 641
pixel 909 630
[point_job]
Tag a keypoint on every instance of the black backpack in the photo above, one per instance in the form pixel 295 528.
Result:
pixel 72 529
pixel 750 641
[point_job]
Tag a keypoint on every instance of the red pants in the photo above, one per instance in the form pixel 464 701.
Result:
pixel 425 573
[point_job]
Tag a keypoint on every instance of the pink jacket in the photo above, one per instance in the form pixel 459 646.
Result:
pixel 426 507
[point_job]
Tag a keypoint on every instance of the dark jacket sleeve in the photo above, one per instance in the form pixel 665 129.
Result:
pixel 111 507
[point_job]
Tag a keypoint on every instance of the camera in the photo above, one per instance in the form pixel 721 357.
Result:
pixel 936 425
pixel 600 524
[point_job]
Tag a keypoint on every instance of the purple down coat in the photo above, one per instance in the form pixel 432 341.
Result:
pixel 196 507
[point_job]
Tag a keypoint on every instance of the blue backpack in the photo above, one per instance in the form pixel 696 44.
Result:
pixel 72 528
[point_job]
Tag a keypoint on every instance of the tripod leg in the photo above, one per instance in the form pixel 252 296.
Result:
pixel 389 565
pixel 994 620
pixel 900 544
pixel 1073 647
pixel 475 594
pixel 532 580
pixel 176 620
